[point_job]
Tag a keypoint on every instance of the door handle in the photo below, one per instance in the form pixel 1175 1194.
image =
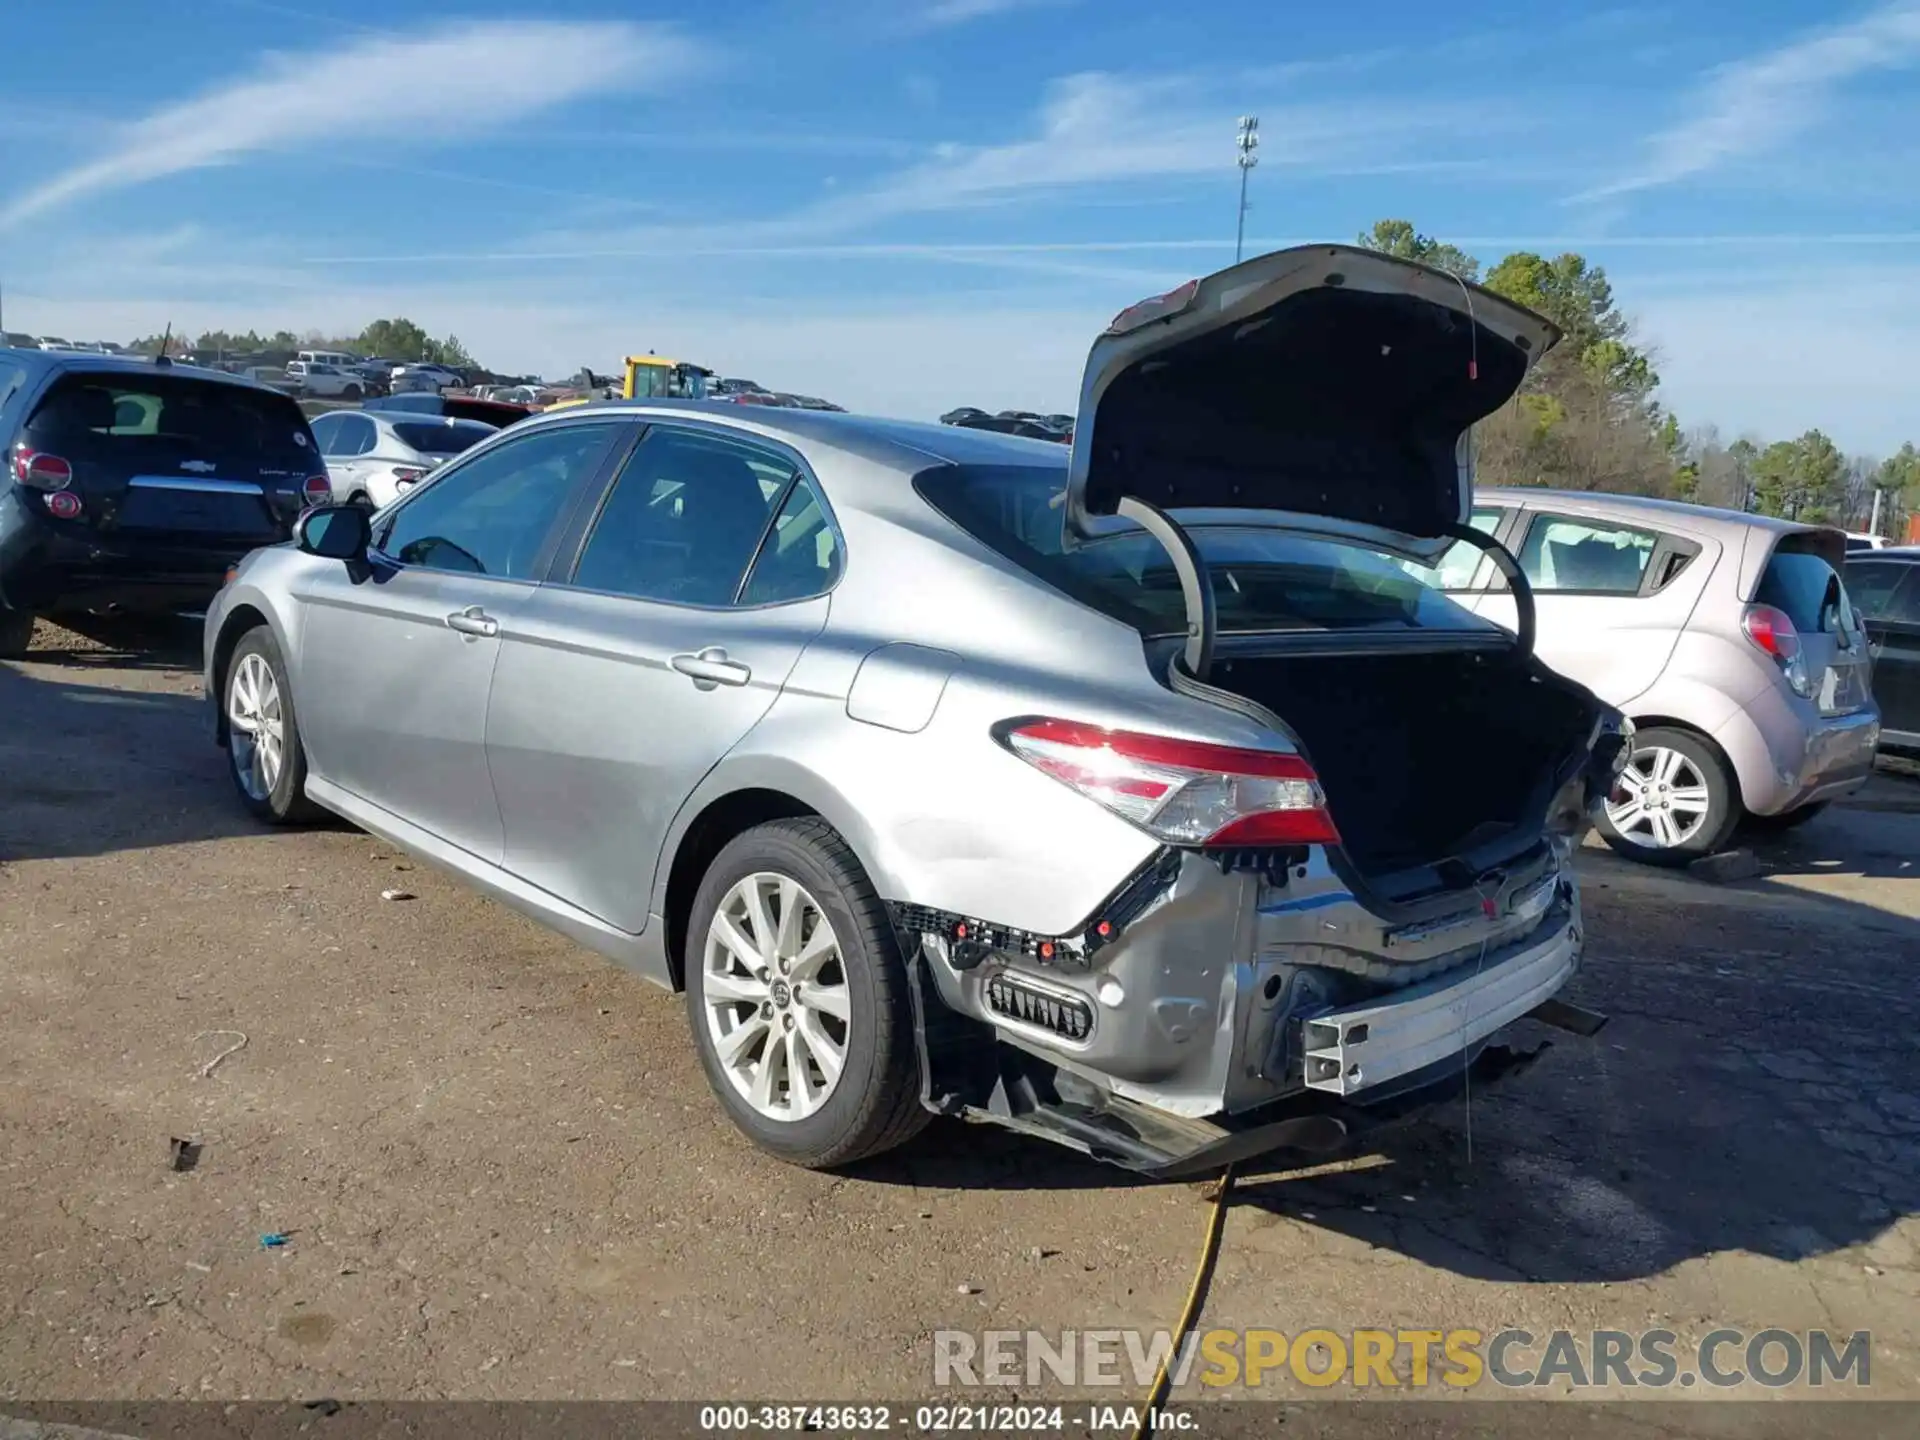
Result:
pixel 711 667
pixel 473 621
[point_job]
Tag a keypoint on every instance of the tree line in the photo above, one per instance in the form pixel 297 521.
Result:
pixel 396 339
pixel 1589 416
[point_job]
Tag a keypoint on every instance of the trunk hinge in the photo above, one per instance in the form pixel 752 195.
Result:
pixel 1196 585
pixel 1504 562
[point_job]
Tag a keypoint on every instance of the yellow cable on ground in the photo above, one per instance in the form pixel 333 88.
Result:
pixel 1196 1301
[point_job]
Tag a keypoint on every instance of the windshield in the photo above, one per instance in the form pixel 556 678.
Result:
pixel 1263 580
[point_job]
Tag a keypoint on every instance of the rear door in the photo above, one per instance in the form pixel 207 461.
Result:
pixel 1887 596
pixel 178 460
pixel 703 576
pixel 1610 598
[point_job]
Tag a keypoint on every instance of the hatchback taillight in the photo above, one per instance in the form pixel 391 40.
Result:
pixel 1184 792
pixel 1772 629
pixel 317 490
pixel 39 469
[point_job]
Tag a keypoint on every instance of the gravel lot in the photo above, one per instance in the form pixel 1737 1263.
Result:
pixel 500 1173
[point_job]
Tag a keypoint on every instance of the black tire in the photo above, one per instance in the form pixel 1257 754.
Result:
pixel 875 1104
pixel 16 632
pixel 1785 820
pixel 1723 812
pixel 285 802
pixel 352 392
pixel 362 499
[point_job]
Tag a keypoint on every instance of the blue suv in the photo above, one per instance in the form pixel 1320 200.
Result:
pixel 129 485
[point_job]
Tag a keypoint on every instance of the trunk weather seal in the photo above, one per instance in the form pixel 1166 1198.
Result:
pixel 1516 582
pixel 1196 585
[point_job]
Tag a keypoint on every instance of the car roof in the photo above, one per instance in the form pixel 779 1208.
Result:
pixel 907 446
pixel 1647 509
pixel 92 362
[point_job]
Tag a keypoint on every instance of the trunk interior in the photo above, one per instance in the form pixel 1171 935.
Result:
pixel 1425 757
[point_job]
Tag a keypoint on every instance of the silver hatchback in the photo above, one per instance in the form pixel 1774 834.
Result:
pixel 1111 794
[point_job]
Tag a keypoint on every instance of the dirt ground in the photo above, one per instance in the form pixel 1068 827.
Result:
pixel 499 1172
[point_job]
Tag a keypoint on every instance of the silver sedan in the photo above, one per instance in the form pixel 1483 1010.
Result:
pixel 1114 793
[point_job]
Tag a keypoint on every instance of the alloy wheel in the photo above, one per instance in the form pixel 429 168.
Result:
pixel 1660 800
pixel 257 743
pixel 775 996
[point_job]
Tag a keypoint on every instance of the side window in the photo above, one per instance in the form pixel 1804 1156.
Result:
pixel 801 556
pixel 357 436
pixel 326 432
pixel 1904 608
pixel 683 520
pixel 493 515
pixel 1455 569
pixel 1871 586
pixel 1588 556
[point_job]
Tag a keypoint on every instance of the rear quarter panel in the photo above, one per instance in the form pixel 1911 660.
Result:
pixel 942 815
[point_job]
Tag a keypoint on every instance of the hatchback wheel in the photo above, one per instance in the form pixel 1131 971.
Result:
pixel 1674 802
pixel 264 754
pixel 797 997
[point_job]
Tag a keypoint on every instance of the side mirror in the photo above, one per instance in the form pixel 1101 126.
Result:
pixel 336 532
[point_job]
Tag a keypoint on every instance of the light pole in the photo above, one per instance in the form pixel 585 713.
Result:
pixel 1248 141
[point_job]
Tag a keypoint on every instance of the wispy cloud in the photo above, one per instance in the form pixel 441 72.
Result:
pixel 435 85
pixel 1752 105
pixel 943 13
pixel 1099 129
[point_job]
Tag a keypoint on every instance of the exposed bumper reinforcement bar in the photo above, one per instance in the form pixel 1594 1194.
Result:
pixel 966 1074
pixel 1358 1047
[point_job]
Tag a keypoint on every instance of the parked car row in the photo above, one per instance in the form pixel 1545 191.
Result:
pixel 1013 422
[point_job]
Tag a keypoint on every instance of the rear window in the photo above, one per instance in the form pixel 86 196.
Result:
pixel 1263 580
pixel 1807 589
pixel 445 438
pixel 107 413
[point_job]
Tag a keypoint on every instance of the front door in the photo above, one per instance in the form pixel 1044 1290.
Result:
pixel 395 664
pixel 702 579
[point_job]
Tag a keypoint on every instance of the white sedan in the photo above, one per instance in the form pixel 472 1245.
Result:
pixel 372 456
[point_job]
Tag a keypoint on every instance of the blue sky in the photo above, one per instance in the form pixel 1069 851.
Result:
pixel 911 204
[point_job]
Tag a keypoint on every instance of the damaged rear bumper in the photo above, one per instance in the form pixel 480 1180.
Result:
pixel 1244 1012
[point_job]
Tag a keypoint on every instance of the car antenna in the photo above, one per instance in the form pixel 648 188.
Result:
pixel 166 339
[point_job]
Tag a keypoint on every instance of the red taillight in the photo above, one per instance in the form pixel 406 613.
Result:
pixel 1158 307
pixel 1185 792
pixel 317 489
pixel 407 474
pixel 1772 631
pixel 40 470
pixel 63 505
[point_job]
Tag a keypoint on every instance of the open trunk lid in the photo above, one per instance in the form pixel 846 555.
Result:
pixel 1330 386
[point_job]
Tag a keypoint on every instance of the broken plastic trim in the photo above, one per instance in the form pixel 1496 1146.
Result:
pixel 974 937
